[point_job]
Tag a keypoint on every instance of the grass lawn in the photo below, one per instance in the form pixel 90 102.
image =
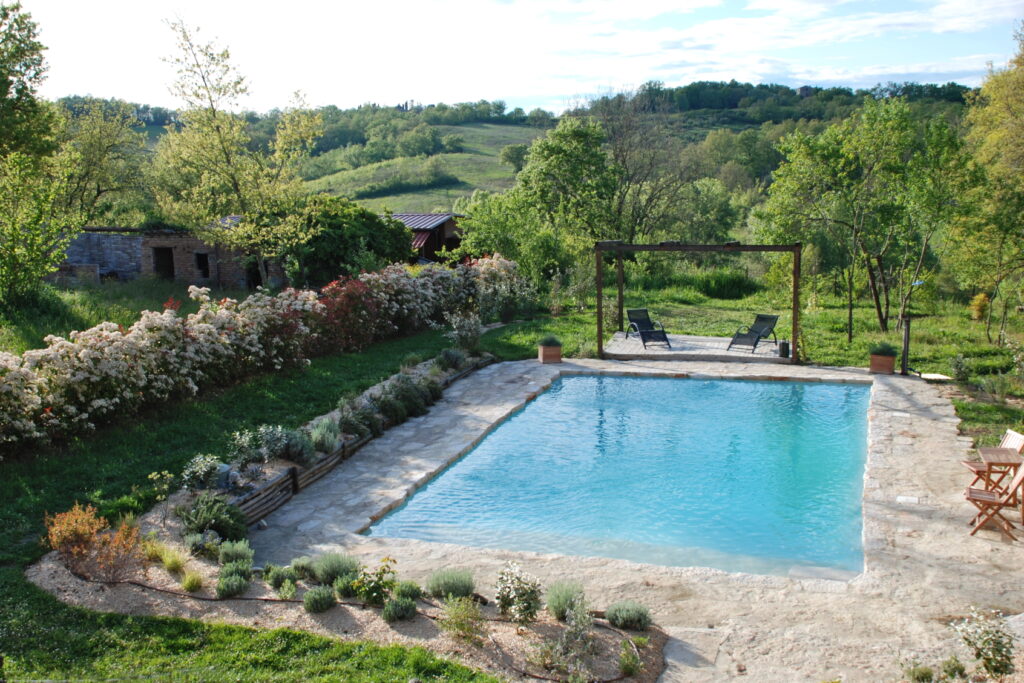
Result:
pixel 59 310
pixel 41 637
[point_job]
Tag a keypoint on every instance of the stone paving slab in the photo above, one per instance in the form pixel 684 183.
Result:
pixel 921 567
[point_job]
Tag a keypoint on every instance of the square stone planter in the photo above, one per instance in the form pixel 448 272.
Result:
pixel 549 354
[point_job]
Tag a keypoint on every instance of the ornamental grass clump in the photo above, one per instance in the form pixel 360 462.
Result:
pixel 518 594
pixel 318 599
pixel 408 589
pixel 398 609
pixel 325 435
pixel 230 585
pixel 172 560
pixel 560 595
pixel 232 551
pixel 326 569
pixel 210 512
pixel 450 583
pixel 192 582
pixel 629 615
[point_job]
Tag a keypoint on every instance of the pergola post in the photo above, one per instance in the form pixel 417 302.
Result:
pixel 797 248
pixel 618 269
pixel 600 302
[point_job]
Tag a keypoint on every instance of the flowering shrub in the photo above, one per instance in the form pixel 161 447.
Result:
pixel 75 383
pixel 518 594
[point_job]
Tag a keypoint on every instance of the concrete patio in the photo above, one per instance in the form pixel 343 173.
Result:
pixel 689 347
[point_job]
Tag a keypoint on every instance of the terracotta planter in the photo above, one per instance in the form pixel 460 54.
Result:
pixel 883 365
pixel 549 354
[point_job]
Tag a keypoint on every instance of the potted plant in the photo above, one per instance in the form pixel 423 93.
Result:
pixel 549 349
pixel 883 358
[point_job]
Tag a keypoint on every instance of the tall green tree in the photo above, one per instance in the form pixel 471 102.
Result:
pixel 36 226
pixel 26 123
pixel 208 168
pixel 847 186
pixel 514 156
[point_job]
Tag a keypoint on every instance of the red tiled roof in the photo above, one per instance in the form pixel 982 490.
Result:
pixel 420 238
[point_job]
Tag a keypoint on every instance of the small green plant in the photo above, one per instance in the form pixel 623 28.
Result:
pixel 412 359
pixel 549 340
pixel 464 330
pixel 641 641
pixel 462 618
pixel 303 567
pixel 959 367
pixel 318 599
pixel 299 448
pixel 560 595
pixel 231 551
pixel 351 421
pixel 629 659
pixel 241 568
pixel 201 472
pixel 445 583
pixel 391 408
pixel 430 387
pixel 628 615
pixel 997 386
pixel 398 609
pixel 344 586
pixel 211 512
pixel 325 435
pixel 153 550
pixel 287 590
pixel 369 417
pixel 375 586
pixel 172 560
pixel 883 349
pixel 918 673
pixel 276 576
pixel 953 669
pixel 191 582
pixel 450 359
pixel 231 585
pixel 403 389
pixel 518 594
pixel 987 637
pixel 325 569
pixel 408 589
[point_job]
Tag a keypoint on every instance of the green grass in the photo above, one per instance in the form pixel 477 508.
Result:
pixel 476 167
pixel 41 637
pixel 60 310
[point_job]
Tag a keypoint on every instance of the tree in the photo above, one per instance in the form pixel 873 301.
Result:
pixel 35 225
pixel 539 118
pixel 25 122
pixel 110 156
pixel 996 120
pixel 514 156
pixel 343 238
pixel 208 169
pixel 846 186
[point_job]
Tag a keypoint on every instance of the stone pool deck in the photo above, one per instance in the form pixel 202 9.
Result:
pixel 921 567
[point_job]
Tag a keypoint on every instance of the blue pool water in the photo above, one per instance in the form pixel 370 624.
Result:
pixel 762 477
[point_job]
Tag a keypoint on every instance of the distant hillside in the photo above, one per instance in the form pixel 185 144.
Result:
pixel 427 183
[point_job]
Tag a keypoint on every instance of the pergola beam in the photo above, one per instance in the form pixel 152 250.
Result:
pixel 619 247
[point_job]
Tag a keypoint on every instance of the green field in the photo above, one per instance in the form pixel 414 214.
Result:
pixel 476 167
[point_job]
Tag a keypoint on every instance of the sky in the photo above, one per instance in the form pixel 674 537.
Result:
pixel 529 53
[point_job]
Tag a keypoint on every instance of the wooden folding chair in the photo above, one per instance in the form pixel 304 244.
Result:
pixel 991 504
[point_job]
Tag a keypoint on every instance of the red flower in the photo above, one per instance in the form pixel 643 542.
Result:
pixel 172 304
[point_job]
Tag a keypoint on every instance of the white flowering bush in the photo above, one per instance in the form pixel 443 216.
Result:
pixel 989 639
pixel 500 292
pixel 79 381
pixel 518 594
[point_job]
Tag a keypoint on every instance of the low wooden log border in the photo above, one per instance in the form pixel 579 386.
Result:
pixel 259 503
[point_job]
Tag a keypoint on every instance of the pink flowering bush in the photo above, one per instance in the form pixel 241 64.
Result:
pixel 75 383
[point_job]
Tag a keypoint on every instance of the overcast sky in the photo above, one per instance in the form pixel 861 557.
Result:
pixel 547 53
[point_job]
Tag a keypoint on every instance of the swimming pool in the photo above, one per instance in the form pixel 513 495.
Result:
pixel 762 477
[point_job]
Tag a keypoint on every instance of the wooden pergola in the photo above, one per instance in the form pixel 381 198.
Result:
pixel 619 247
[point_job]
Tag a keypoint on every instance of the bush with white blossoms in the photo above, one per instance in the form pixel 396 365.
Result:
pixel 518 594
pixel 75 383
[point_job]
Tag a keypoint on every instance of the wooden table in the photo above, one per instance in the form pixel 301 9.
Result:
pixel 1000 463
